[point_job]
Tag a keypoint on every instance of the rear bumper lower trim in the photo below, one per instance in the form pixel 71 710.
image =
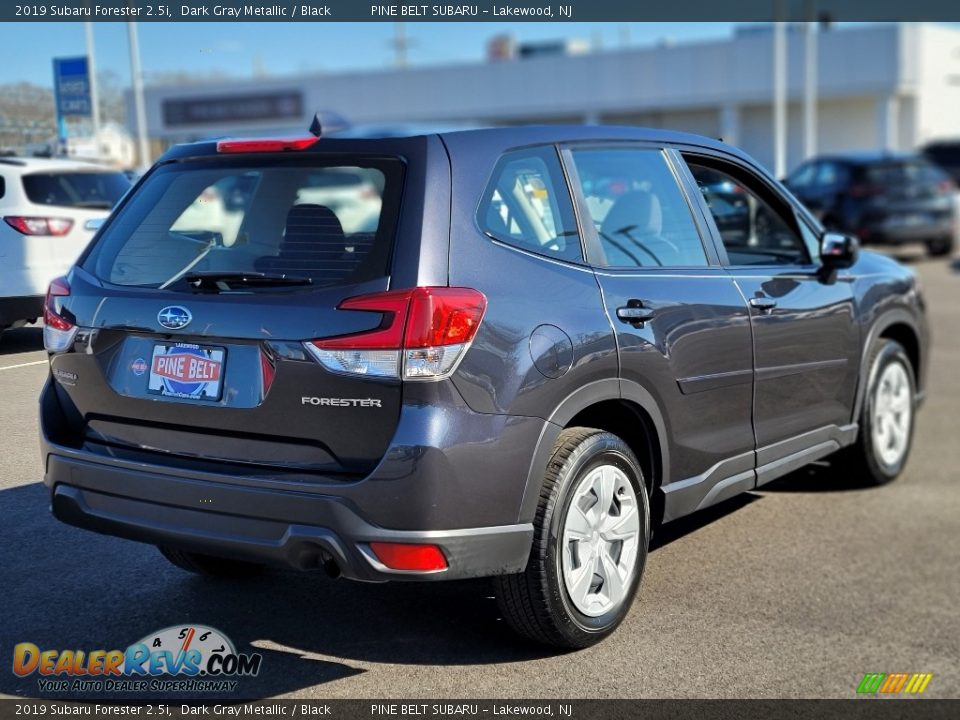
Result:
pixel 296 530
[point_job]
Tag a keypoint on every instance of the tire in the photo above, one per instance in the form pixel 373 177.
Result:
pixel 538 603
pixel 870 461
pixel 209 564
pixel 940 247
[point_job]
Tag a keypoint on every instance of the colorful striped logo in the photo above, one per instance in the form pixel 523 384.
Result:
pixel 894 683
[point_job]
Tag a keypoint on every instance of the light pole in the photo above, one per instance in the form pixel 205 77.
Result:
pixel 779 93
pixel 810 91
pixel 137 81
pixel 92 78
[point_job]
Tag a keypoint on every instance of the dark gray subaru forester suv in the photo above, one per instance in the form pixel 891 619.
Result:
pixel 506 353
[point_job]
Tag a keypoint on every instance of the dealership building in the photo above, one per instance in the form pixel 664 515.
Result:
pixel 893 86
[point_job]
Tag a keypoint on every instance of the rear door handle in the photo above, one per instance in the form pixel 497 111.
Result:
pixel 634 313
pixel 763 304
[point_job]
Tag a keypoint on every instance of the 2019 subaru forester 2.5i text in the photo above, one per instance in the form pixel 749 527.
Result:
pixel 504 353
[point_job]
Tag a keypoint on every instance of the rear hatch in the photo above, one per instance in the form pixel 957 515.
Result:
pixel 197 306
pixel 908 193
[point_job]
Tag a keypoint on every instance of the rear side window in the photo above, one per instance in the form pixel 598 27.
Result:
pixel 640 214
pixel 93 190
pixel 527 205
pixel 327 224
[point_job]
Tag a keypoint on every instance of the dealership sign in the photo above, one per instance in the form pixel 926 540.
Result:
pixel 71 86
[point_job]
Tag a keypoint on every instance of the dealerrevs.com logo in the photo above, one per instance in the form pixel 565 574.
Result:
pixel 182 658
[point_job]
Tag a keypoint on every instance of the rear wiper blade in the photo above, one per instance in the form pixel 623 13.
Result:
pixel 219 280
pixel 93 204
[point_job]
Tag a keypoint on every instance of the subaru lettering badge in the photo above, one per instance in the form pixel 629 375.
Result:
pixel 174 317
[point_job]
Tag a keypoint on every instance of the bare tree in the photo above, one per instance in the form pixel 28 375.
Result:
pixel 27 114
pixel 113 106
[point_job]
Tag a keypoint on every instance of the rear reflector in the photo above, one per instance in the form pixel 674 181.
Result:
pixel 423 334
pixel 39 225
pixel 265 145
pixel 413 558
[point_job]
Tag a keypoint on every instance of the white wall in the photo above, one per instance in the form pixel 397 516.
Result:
pixel 938 82
pixel 682 87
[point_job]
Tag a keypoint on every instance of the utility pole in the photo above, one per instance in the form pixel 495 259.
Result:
pixel 137 81
pixel 92 78
pixel 811 66
pixel 779 92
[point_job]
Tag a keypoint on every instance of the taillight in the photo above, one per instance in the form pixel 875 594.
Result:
pixel 422 336
pixel 58 332
pixel 864 190
pixel 265 145
pixel 39 225
pixel 410 557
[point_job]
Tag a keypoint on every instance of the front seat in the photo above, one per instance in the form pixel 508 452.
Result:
pixel 313 245
pixel 631 232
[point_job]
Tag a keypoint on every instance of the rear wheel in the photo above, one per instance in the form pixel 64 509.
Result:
pixel 886 420
pixel 591 534
pixel 209 564
pixel 940 246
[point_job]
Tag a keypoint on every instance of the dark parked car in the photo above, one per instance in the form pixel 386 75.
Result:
pixel 548 344
pixel 882 198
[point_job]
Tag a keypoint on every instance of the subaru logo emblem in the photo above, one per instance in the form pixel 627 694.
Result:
pixel 174 317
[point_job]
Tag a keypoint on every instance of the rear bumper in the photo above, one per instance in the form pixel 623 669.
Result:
pixel 17 310
pixel 292 530
pixel 885 235
pixel 450 478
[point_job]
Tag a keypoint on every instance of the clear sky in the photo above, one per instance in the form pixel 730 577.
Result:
pixel 287 48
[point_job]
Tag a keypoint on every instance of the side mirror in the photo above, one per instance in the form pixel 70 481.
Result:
pixel 838 251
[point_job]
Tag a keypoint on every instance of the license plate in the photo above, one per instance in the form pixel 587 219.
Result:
pixel 188 371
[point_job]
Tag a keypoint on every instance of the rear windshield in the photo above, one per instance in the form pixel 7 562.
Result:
pixel 328 224
pixel 901 172
pixel 93 190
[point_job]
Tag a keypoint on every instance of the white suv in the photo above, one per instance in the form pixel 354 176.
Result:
pixel 49 210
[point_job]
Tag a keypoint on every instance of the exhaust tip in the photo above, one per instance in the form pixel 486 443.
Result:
pixel 331 568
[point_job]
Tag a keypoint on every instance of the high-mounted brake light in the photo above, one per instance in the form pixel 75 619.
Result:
pixel 410 557
pixel 424 333
pixel 58 332
pixel 39 225
pixel 265 145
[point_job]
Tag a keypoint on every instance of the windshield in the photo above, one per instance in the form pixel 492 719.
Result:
pixel 88 190
pixel 326 224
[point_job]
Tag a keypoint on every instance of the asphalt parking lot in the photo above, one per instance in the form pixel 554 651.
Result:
pixel 795 591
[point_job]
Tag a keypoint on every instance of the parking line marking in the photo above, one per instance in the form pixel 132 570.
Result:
pixel 14 367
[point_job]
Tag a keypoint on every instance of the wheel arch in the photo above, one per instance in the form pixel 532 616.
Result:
pixel 900 326
pixel 623 408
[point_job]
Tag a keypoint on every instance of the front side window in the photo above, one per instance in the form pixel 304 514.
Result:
pixel 756 228
pixel 325 225
pixel 526 204
pixel 640 214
